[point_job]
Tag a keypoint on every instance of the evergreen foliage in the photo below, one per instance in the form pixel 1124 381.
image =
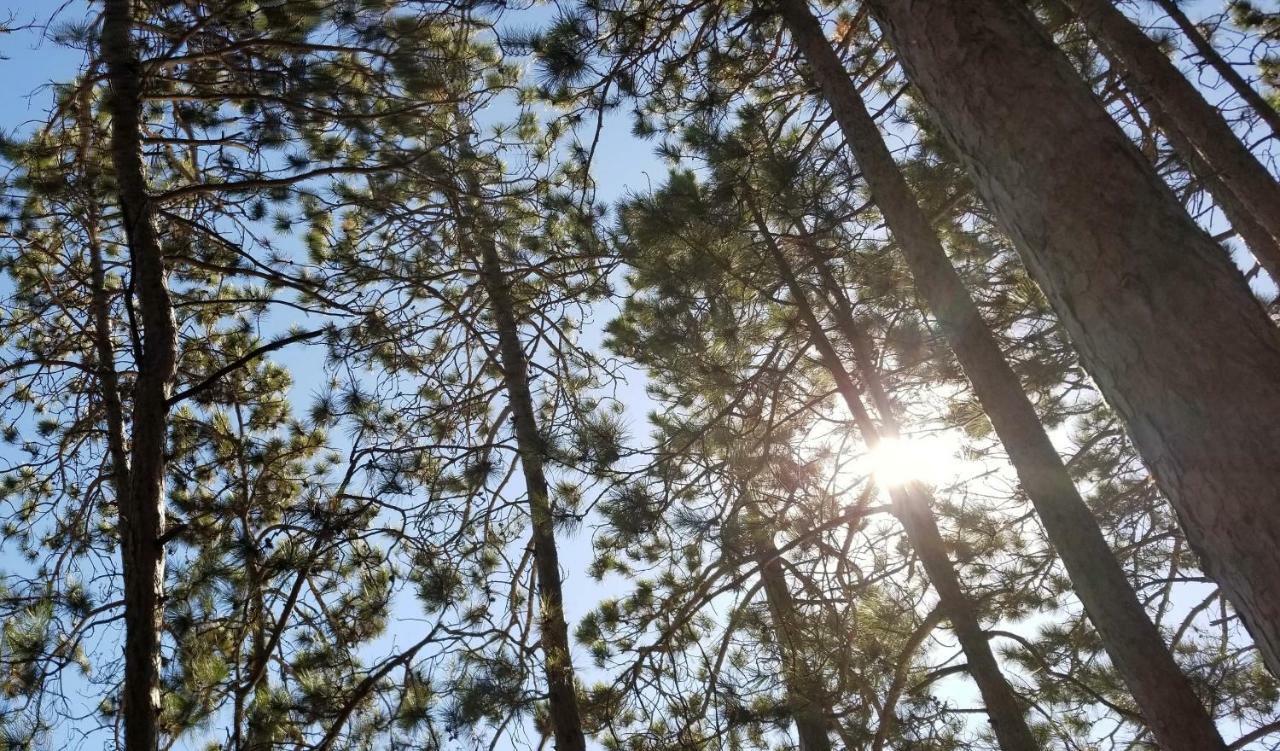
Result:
pixel 459 450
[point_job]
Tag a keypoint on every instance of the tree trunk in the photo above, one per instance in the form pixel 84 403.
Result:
pixel 1224 69
pixel 888 717
pixel 1255 237
pixel 566 719
pixel 141 510
pixel 1169 705
pixel 911 504
pixel 1163 322
pixel 1155 78
pixel 805 694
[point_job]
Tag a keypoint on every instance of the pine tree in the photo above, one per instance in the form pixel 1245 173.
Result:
pixel 1174 422
pixel 333 274
pixel 140 481
pixel 481 265
pixel 565 716
pixel 1040 467
pixel 1169 704
pixel 1209 56
pixel 911 506
pixel 1134 517
pixel 1217 150
pixel 228 115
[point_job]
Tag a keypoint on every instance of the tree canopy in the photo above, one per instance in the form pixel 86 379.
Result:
pixel 641 375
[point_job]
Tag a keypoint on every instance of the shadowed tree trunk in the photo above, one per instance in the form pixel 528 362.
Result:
pixel 1163 322
pixel 911 504
pixel 805 693
pixel 1134 643
pixel 141 508
pixel 1223 68
pixel 566 718
pixel 1219 150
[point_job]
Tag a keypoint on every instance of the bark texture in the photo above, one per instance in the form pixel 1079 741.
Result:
pixel 1166 698
pixel 566 717
pixel 1219 149
pixel 912 505
pixel 141 508
pixel 1162 321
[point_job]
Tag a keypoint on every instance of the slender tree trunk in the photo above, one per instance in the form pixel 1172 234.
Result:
pixel 566 719
pixel 141 510
pixel 888 715
pixel 1169 704
pixel 104 347
pixel 805 693
pixel 1163 322
pixel 912 505
pixel 1255 237
pixel 1224 69
pixel 1156 79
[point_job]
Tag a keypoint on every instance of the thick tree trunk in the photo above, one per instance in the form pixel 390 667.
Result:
pixel 1224 69
pixel 1169 705
pixel 566 718
pixel 1158 80
pixel 1163 322
pixel 141 510
pixel 1133 641
pixel 805 694
pixel 912 505
pixel 1256 237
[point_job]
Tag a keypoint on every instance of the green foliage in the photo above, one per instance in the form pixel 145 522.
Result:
pixel 348 548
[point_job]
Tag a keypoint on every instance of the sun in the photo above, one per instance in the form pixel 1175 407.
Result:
pixel 930 459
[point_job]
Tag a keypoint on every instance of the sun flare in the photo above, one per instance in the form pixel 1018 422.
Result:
pixel 928 459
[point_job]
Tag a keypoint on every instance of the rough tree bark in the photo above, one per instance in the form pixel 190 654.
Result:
pixel 566 717
pixel 141 509
pixel 1163 322
pixel 1256 237
pixel 1168 702
pixel 912 506
pixel 1224 69
pixel 1155 78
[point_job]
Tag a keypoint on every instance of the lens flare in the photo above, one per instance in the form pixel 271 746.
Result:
pixel 898 461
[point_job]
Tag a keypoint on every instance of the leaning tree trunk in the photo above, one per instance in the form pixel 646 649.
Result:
pixel 141 509
pixel 566 718
pixel 1238 215
pixel 1163 322
pixel 1256 237
pixel 1224 69
pixel 1155 78
pixel 803 684
pixel 912 505
pixel 1169 705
